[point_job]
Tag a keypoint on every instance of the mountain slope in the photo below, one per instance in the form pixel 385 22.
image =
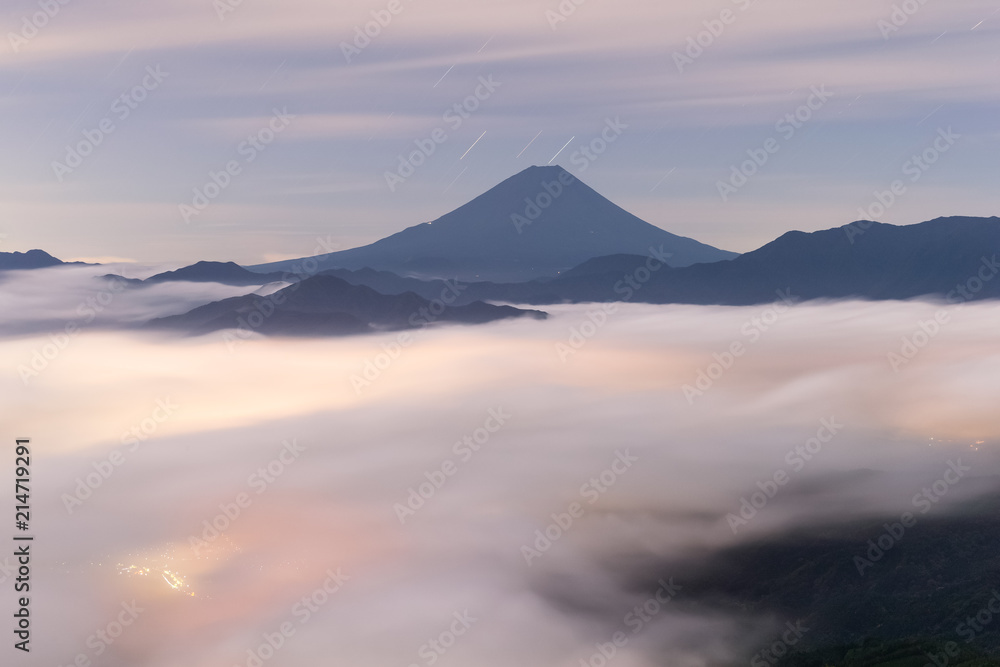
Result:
pixel 929 584
pixel 942 257
pixel 227 273
pixel 883 262
pixel 33 259
pixel 954 258
pixel 534 224
pixel 327 305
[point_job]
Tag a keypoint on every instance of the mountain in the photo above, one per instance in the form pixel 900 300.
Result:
pixel 953 258
pixel 609 264
pixel 387 282
pixel 534 224
pixel 919 592
pixel 227 273
pixel 327 305
pixel 33 259
pixel 870 260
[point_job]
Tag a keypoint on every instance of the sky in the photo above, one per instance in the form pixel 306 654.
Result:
pixel 246 130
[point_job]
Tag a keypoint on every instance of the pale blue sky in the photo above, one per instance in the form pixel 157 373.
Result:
pixel 206 83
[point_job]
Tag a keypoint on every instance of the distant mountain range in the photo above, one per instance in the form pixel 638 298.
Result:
pixel 227 273
pixel 582 248
pixel 535 224
pixel 327 305
pixel 952 258
pixel 33 259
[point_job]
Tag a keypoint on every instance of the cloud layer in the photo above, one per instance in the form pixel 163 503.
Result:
pixel 307 473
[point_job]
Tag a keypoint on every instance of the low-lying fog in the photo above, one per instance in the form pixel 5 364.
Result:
pixel 418 475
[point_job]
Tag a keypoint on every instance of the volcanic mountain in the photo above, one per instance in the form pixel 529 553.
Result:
pixel 532 225
pixel 953 258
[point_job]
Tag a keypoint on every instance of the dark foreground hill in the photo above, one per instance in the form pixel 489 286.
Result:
pixel 326 305
pixel 928 594
pixel 227 273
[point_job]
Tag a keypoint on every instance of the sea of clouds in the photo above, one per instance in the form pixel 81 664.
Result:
pixel 463 505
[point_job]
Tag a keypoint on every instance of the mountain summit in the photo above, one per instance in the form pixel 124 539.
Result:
pixel 33 259
pixel 535 224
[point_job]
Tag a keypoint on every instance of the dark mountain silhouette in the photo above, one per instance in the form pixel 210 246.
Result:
pixel 227 273
pixel 952 258
pixel 33 259
pixel 535 224
pixel 327 305
pixel 918 592
pixel 865 259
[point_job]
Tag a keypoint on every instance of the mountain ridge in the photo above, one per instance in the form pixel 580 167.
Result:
pixel 31 259
pixel 533 224
pixel 327 305
pixel 934 258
